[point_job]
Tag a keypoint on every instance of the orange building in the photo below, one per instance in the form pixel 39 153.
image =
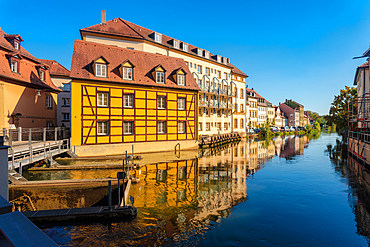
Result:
pixel 27 94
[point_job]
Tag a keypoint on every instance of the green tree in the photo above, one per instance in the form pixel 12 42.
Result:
pixel 338 113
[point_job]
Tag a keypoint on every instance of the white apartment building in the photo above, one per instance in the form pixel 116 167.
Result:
pixel 239 122
pixel 213 73
pixel 252 108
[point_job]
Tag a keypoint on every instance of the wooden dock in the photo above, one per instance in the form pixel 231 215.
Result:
pixel 215 140
pixel 80 215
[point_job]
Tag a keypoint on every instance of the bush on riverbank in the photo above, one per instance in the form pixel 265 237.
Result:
pixel 266 132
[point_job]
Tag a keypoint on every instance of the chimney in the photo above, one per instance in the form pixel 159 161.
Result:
pixel 103 17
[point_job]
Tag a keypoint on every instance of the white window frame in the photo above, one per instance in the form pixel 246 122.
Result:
pixel 158 37
pixel 176 44
pixel 42 75
pixel 185 47
pixel 182 105
pixel 162 127
pixel 127 73
pixel 199 69
pixel 100 70
pixel 161 102
pixel 102 128
pixel 159 77
pixel 200 52
pixel 103 97
pixel 14 66
pixel 180 80
pixel 128 128
pixel 128 100
pixel 49 103
pixel 181 127
pixel 16 45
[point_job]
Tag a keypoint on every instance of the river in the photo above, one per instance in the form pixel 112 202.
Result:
pixel 284 192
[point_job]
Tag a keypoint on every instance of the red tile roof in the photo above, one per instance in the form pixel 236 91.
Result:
pixel 56 68
pixel 28 67
pixel 235 70
pixel 120 27
pixel 85 53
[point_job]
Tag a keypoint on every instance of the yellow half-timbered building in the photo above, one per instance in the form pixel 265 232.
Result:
pixel 122 97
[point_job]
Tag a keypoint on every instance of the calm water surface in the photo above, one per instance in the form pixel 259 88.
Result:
pixel 285 192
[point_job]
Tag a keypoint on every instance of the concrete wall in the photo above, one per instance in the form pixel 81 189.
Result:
pixel 139 147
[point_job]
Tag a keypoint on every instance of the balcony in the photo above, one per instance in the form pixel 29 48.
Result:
pixel 223 105
pixel 213 104
pixel 203 103
pixel 223 91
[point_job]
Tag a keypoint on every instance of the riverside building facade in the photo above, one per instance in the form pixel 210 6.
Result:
pixel 27 94
pixel 123 97
pixel 213 73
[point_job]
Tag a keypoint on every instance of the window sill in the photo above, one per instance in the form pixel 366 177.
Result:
pixel 102 134
pixel 128 107
pixel 103 106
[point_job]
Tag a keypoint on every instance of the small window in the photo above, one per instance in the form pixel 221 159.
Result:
pixel 181 127
pixel 181 80
pixel 185 47
pixel 161 128
pixel 102 128
pixel 176 44
pixel 207 71
pixel 14 66
pixel 127 73
pixel 102 99
pixel 235 123
pixel 191 65
pixel 128 128
pixel 101 70
pixel 242 123
pixel 219 74
pixel 200 126
pixel 158 37
pixel 42 75
pixel 225 126
pixel 199 69
pixel 160 77
pixel 181 104
pixel 130 48
pixel 16 45
pixel 128 101
pixel 49 102
pixel 66 116
pixel 161 102
pixel 241 108
pixel 208 126
pixel 66 101
pixel 241 93
pixel 200 52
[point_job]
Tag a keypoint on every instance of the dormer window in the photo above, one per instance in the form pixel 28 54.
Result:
pixel 158 37
pixel 185 47
pixel 100 67
pixel 199 52
pixel 16 45
pixel 101 70
pixel 206 54
pixel 127 71
pixel 218 57
pixel 159 77
pixel 176 44
pixel 14 66
pixel 159 74
pixel 181 80
pixel 42 75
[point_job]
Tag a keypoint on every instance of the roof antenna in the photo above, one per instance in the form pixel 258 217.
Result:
pixel 103 17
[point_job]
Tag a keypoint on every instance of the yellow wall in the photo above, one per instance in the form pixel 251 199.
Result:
pixel 19 99
pixel 85 114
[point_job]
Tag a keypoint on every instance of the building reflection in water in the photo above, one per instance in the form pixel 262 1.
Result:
pixel 189 193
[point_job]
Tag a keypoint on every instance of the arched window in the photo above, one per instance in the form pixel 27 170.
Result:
pixel 235 123
pixel 242 123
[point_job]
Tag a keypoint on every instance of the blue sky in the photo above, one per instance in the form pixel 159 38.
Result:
pixel 298 50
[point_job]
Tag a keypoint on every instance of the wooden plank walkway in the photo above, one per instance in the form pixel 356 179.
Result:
pixel 28 153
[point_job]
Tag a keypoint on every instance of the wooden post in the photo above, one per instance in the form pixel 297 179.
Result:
pixel 19 134
pixel 56 133
pixel 11 138
pixel 110 195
